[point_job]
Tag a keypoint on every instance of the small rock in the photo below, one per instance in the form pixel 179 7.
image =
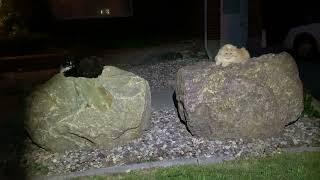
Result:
pixel 295 141
pixel 283 143
pixel 101 155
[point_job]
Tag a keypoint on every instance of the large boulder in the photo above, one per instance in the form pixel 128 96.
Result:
pixel 78 113
pixel 252 100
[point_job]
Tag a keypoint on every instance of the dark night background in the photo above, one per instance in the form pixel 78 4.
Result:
pixel 165 19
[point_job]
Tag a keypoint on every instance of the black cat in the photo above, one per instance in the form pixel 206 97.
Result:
pixel 89 67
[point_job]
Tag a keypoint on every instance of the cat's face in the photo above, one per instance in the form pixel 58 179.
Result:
pixel 228 52
pixel 68 62
pixel 68 65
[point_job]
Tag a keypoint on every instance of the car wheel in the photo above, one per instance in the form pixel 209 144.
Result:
pixel 305 47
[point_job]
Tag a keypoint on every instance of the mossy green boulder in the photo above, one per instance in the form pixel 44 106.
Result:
pixel 68 113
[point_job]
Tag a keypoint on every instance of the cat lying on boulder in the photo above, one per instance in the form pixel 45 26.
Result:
pixel 229 54
pixel 89 67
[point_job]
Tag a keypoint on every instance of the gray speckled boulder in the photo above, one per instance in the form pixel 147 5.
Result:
pixel 77 113
pixel 253 100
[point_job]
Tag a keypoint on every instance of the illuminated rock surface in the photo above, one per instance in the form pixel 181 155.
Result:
pixel 253 100
pixel 70 113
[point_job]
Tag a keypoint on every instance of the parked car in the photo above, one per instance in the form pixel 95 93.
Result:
pixel 304 41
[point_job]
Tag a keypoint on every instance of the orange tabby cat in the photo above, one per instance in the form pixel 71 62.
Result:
pixel 229 54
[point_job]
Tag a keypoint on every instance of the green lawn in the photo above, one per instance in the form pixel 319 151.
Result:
pixel 283 166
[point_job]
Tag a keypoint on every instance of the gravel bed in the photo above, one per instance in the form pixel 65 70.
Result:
pixel 168 138
pixel 163 74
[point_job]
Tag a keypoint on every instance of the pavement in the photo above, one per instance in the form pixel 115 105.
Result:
pixel 162 98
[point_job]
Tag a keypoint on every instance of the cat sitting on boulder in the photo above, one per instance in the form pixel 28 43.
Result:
pixel 229 54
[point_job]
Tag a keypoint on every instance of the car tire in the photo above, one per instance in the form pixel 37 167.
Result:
pixel 305 47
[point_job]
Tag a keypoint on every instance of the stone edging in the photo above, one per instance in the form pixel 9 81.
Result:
pixel 140 166
pixel 301 149
pixel 160 164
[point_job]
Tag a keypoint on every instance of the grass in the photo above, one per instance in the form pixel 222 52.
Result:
pixel 282 166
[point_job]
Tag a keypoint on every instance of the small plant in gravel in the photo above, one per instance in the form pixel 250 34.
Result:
pixel 37 169
pixel 309 108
